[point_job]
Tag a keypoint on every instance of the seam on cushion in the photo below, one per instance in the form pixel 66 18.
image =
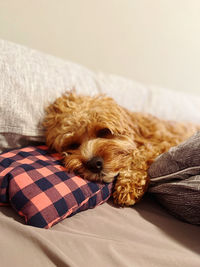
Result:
pixel 58 219
pixel 174 173
pixel 13 126
pixel 22 215
pixel 71 210
pixel 67 214
pixel 22 131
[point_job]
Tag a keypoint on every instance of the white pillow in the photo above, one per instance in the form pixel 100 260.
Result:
pixel 161 102
pixel 30 80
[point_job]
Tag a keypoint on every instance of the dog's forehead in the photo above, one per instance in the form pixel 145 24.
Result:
pixel 92 111
pixel 90 115
pixel 91 118
pixel 87 121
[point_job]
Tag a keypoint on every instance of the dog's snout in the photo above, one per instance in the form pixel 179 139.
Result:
pixel 95 164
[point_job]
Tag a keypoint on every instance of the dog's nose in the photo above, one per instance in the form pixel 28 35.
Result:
pixel 95 164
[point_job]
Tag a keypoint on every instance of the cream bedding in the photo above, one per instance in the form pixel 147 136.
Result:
pixel 105 236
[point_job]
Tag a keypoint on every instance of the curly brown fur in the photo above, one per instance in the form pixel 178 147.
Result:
pixel 102 141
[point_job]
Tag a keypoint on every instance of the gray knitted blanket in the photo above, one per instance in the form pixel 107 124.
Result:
pixel 175 180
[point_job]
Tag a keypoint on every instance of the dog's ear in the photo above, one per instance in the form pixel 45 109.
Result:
pixel 51 122
pixel 54 118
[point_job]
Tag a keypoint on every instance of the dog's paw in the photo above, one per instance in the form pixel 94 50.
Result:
pixel 128 191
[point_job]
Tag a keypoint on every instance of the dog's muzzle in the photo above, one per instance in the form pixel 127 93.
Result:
pixel 95 164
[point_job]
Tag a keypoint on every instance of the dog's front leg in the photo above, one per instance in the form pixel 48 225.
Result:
pixel 129 190
pixel 133 180
pixel 130 187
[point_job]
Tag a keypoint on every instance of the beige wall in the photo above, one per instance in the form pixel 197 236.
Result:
pixel 153 41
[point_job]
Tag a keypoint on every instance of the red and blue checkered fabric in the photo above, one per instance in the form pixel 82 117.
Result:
pixel 34 181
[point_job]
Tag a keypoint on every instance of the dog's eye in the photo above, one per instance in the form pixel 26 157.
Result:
pixel 103 133
pixel 73 146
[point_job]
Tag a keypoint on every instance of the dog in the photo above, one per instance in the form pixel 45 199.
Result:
pixel 102 141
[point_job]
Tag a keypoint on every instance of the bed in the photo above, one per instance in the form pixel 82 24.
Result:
pixel 142 235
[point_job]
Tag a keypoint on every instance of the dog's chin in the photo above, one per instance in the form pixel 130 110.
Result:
pixel 97 177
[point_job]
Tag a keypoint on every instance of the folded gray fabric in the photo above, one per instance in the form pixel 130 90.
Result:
pixel 175 180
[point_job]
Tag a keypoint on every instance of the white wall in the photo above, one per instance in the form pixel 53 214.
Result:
pixel 153 41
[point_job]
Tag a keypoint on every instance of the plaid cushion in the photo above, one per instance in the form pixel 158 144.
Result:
pixel 34 181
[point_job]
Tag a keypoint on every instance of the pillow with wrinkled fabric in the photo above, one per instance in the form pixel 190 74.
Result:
pixel 175 180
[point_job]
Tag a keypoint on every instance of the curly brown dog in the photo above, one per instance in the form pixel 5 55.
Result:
pixel 103 141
